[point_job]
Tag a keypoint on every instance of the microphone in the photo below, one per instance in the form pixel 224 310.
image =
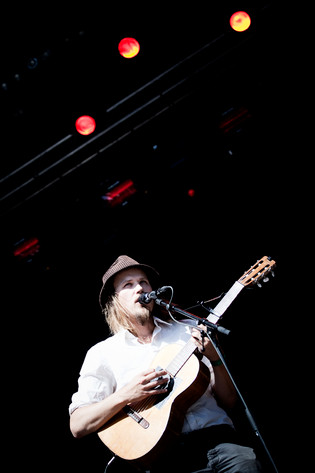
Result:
pixel 147 297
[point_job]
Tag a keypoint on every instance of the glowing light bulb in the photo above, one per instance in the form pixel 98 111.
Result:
pixel 240 21
pixel 128 47
pixel 85 125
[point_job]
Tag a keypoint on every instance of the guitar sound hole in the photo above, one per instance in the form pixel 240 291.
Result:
pixel 169 386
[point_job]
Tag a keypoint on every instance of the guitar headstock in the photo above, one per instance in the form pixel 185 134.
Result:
pixel 258 272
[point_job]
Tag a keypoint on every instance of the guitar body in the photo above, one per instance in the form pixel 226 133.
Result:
pixel 142 438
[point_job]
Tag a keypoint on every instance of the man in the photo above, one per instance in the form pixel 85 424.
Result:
pixel 116 373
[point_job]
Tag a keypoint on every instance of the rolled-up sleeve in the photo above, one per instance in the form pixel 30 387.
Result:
pixel 96 381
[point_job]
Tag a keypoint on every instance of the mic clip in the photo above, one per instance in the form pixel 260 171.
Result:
pixel 147 297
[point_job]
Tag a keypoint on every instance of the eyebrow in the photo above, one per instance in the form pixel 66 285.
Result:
pixel 131 278
pixel 126 280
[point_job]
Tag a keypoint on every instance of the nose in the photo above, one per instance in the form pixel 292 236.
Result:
pixel 139 288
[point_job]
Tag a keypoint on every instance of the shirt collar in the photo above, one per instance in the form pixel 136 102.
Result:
pixel 157 322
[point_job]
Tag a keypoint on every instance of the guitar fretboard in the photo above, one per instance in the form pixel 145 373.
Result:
pixel 180 359
pixel 185 353
pixel 224 303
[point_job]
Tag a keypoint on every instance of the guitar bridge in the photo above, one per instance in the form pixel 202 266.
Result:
pixel 166 382
pixel 135 416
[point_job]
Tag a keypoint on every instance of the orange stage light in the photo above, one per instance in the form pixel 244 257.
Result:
pixel 240 21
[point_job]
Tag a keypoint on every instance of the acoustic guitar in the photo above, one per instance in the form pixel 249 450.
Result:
pixel 140 431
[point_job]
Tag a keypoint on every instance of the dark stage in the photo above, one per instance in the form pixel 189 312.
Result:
pixel 186 170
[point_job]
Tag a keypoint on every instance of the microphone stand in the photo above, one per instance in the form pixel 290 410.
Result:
pixel 213 328
pixel 171 307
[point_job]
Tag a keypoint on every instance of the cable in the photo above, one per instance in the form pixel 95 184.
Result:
pixel 177 321
pixel 110 461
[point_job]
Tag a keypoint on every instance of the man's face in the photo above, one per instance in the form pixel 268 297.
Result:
pixel 129 284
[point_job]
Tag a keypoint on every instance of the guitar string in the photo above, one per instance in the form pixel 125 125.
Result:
pixel 144 404
pixel 178 363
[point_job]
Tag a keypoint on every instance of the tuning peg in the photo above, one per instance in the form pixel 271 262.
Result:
pixel 266 279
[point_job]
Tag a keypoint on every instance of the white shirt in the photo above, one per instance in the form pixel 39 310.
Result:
pixel 112 363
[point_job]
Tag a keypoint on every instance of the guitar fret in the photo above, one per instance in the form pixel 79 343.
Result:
pixel 214 317
pixel 188 349
pixel 181 358
pixel 229 297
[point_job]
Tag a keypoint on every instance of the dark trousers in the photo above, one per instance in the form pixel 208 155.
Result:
pixel 216 449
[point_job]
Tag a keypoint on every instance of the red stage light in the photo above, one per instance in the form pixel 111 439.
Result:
pixel 26 248
pixel 85 125
pixel 118 194
pixel 233 118
pixel 240 21
pixel 128 47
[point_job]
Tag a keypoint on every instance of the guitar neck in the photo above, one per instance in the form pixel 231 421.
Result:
pixel 188 349
pixel 257 272
pixel 224 303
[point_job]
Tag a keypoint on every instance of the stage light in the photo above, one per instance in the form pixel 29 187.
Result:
pixel 240 21
pixel 26 248
pixel 119 193
pixel 233 119
pixel 128 47
pixel 85 125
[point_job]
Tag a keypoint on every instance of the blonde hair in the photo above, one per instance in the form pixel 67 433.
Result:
pixel 117 317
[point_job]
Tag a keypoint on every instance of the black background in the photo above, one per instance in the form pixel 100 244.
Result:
pixel 170 136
